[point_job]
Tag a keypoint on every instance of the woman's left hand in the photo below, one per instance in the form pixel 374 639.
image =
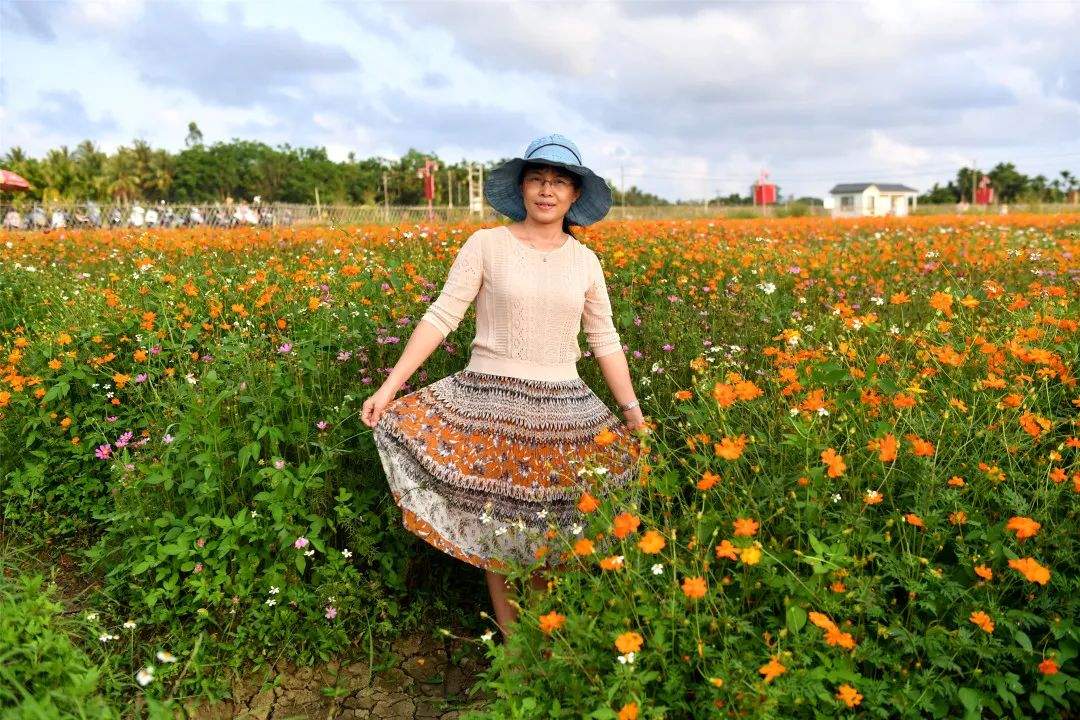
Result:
pixel 634 418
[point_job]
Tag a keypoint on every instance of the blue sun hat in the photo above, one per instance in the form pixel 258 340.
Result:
pixel 503 192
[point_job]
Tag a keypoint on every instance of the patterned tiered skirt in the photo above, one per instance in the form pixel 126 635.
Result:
pixel 489 468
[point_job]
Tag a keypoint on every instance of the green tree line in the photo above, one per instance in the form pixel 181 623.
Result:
pixel 242 169
pixel 1010 185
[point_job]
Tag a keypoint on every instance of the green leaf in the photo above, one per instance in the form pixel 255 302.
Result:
pixel 972 702
pixel 1023 640
pixel 796 618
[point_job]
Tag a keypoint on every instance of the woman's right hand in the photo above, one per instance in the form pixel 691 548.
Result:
pixel 374 405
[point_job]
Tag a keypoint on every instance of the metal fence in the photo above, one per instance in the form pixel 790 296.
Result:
pixel 93 215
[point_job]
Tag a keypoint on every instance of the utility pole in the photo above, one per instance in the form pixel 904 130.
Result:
pixel 449 189
pixel 385 198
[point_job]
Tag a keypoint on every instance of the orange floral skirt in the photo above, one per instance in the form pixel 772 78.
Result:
pixel 486 467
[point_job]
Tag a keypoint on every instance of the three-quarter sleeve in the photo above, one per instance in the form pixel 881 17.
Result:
pixel 596 319
pixel 460 288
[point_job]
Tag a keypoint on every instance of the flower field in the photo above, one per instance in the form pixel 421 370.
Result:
pixel 858 497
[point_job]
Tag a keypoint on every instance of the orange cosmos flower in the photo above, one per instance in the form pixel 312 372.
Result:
pixel 873 497
pixel 730 448
pixel 587 503
pixel 942 302
pixel 848 695
pixel 651 542
pixel 605 438
pixel 899 298
pixel 984 572
pixel 745 527
pixel 726 550
pixel 707 480
pixel 982 620
pixel 902 401
pixel 771 670
pixel 629 642
pixel 629 711
pixel 833 634
pixel 724 395
pixel 612 562
pixel 835 461
pixel 551 622
pixel 1034 425
pixel 683 395
pixel 922 448
pixel 624 524
pixel 694 587
pixel 885 447
pixel 583 546
pixel 1024 527
pixel 915 520
pixel 747 390
pixel 1031 569
pixel 1048 666
pixel 956 481
pixel 958 518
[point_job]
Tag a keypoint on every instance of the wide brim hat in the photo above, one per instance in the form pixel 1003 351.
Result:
pixel 503 192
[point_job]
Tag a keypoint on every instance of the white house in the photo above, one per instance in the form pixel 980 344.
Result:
pixel 853 199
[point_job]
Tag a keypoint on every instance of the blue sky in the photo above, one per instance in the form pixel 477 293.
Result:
pixel 684 99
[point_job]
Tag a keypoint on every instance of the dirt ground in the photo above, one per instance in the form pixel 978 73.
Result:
pixel 424 683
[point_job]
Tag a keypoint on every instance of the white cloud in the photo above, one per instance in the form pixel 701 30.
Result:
pixel 685 99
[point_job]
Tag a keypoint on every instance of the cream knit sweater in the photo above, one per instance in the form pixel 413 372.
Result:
pixel 531 305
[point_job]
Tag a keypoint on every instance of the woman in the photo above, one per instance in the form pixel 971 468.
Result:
pixel 488 462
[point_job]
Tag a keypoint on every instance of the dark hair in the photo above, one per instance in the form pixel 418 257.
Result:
pixel 574 178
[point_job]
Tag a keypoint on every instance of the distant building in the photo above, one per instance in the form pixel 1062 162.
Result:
pixel 855 199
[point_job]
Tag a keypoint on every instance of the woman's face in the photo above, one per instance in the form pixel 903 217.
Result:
pixel 548 193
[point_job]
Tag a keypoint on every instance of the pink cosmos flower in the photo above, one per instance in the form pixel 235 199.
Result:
pixel 301 542
pixel 331 612
pixel 103 451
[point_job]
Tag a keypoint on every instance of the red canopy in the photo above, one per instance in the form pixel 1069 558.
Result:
pixel 11 181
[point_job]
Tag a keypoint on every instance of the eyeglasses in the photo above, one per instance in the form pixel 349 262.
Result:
pixel 560 183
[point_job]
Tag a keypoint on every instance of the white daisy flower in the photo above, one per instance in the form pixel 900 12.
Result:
pixel 129 625
pixel 165 656
pixel 658 569
pixel 346 553
pixel 145 676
